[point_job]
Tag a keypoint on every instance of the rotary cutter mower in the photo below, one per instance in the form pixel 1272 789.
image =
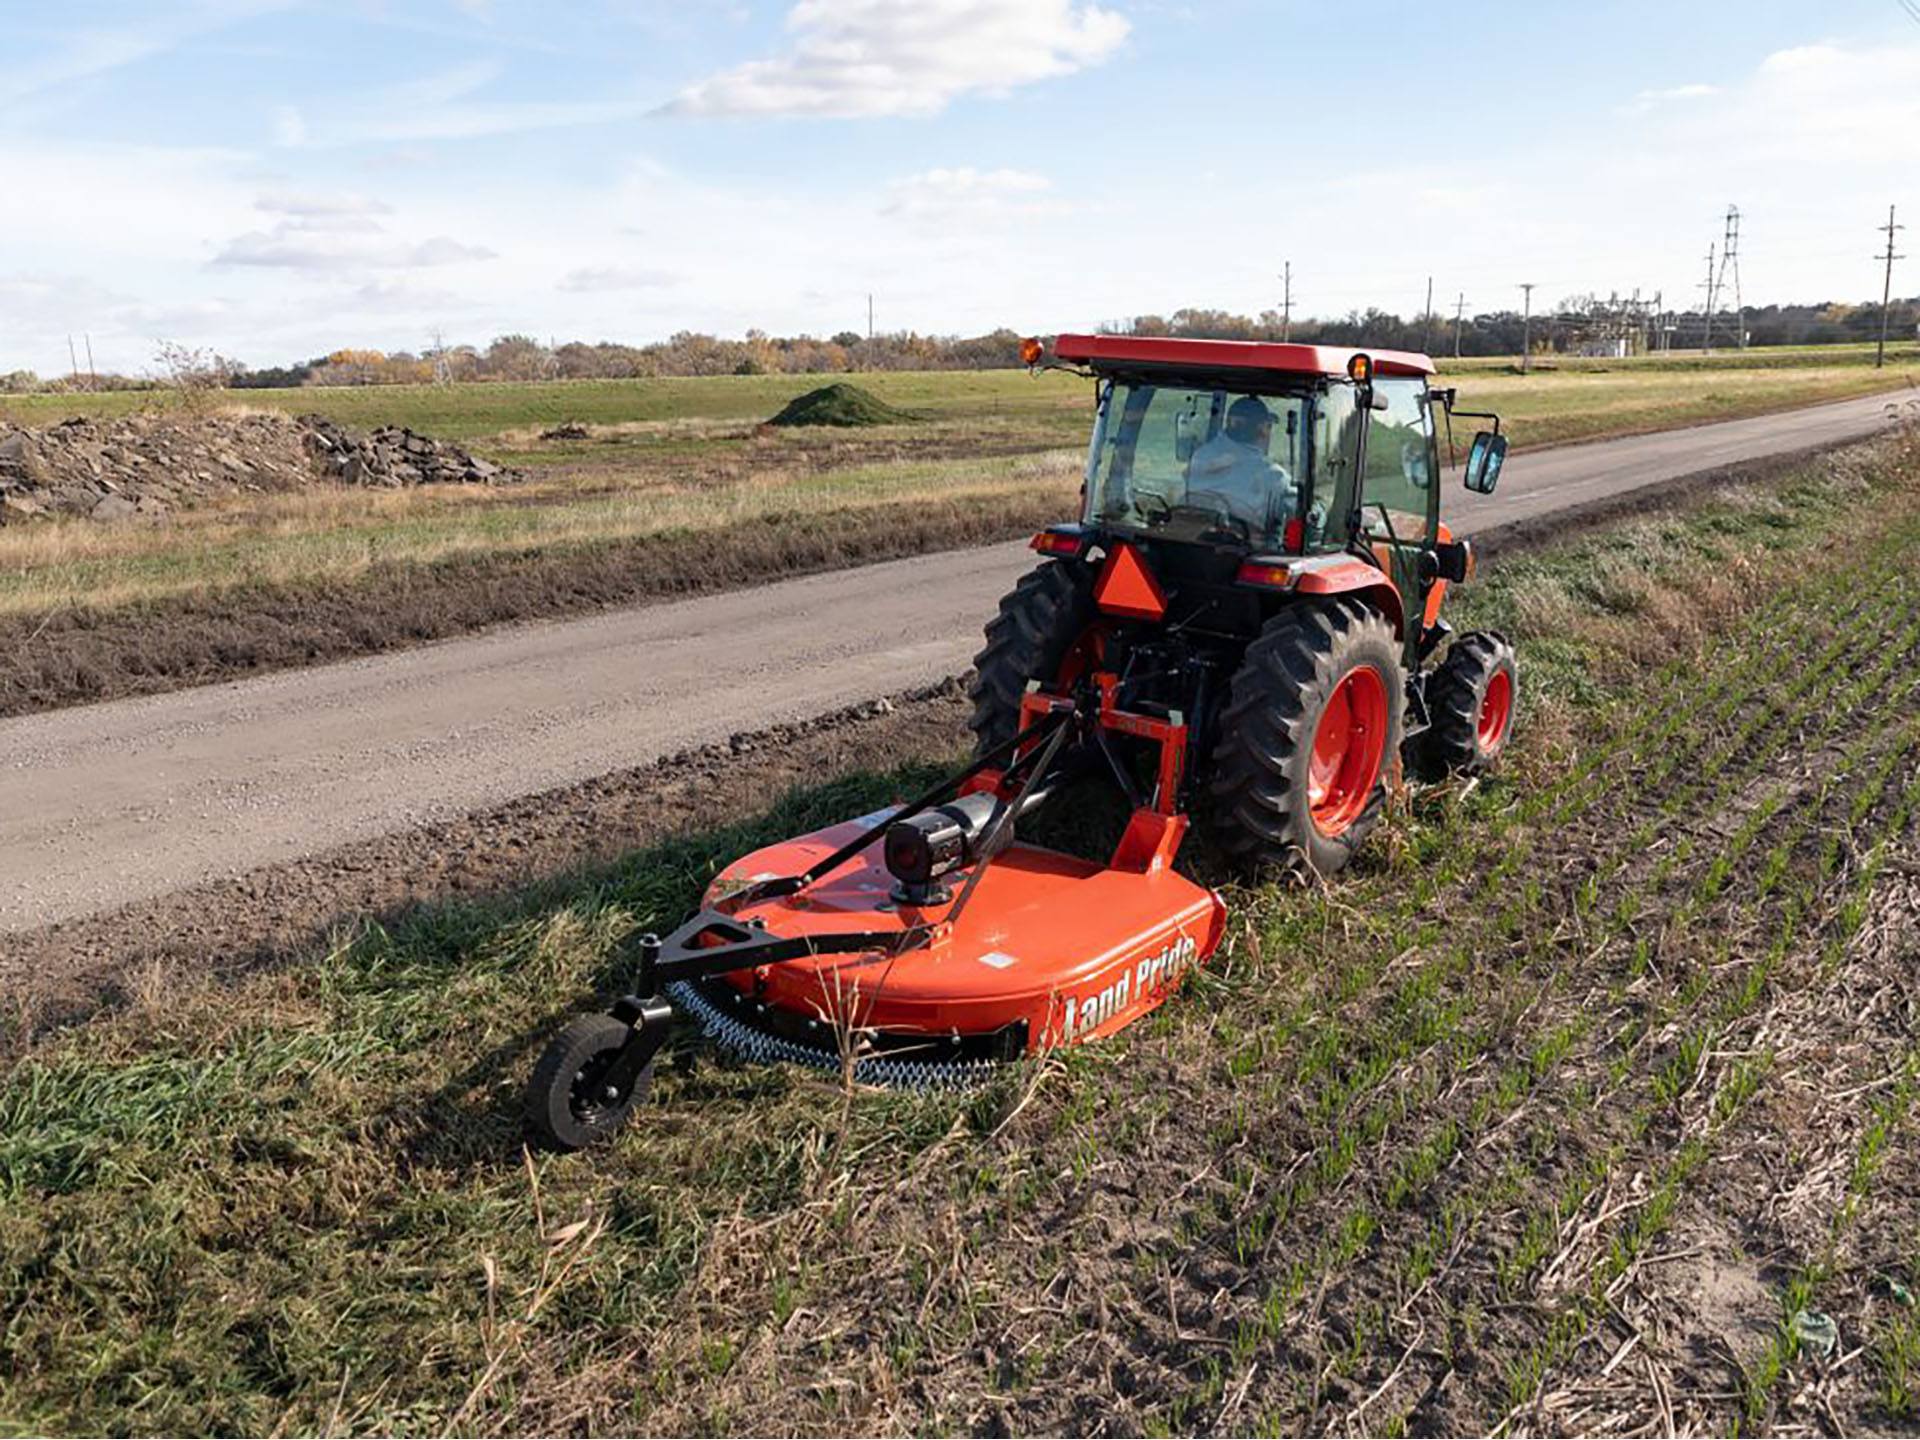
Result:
pixel 921 945
pixel 1243 627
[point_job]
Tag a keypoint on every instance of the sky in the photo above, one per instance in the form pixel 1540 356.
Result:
pixel 273 179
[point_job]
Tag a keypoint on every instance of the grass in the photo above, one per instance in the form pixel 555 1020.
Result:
pixel 1372 1145
pixel 330 536
pixel 672 457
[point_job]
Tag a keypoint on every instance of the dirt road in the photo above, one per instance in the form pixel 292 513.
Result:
pixel 114 803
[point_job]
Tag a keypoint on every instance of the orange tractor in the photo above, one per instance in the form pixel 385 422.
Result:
pixel 1241 629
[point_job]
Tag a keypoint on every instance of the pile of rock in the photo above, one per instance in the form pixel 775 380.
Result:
pixel 394 456
pixel 143 466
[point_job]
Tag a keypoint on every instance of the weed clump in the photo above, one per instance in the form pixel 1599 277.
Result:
pixel 843 405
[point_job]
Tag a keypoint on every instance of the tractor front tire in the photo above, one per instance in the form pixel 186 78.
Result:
pixel 1310 739
pixel 1039 621
pixel 1470 697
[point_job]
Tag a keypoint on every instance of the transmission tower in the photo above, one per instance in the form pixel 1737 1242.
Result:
pixel 1730 260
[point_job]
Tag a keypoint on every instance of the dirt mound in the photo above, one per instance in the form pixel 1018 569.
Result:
pixel 841 404
pixel 143 466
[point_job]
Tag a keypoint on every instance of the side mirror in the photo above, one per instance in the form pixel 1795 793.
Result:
pixel 1484 459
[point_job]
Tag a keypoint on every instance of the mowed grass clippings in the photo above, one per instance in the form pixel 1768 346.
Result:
pixel 1399 1159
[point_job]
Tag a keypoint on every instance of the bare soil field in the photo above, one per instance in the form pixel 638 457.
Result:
pixel 1584 1104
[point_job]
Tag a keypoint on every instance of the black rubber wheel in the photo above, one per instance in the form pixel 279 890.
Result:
pixel 566 1106
pixel 1471 696
pixel 1310 739
pixel 1039 621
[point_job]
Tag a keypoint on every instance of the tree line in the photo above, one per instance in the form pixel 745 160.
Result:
pixel 1570 327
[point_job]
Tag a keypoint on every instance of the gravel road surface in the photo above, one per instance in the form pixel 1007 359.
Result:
pixel 125 801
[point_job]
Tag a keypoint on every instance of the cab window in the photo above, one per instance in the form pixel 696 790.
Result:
pixel 1400 469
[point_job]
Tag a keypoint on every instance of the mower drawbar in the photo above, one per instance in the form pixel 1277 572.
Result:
pixel 925 959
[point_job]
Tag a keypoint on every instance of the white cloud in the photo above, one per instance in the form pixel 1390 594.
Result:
pixel 949 194
pixel 389 294
pixel 592 279
pixel 330 246
pixel 315 205
pixel 1647 99
pixel 859 58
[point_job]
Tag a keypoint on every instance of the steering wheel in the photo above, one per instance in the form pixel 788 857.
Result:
pixel 1220 524
pixel 1154 508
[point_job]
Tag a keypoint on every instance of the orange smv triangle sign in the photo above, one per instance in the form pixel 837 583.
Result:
pixel 1127 587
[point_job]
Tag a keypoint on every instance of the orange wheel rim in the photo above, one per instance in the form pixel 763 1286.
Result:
pixel 1349 743
pixel 1496 710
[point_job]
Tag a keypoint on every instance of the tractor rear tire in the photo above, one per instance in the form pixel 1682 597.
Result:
pixel 1470 696
pixel 1310 739
pixel 1039 621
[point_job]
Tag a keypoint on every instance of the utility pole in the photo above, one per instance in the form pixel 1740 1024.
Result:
pixel 93 375
pixel 1886 287
pixel 1459 309
pixel 1526 328
pixel 1286 303
pixel 1426 338
pixel 869 315
pixel 1706 335
pixel 73 361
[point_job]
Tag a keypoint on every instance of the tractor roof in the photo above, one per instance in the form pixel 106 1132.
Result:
pixel 1155 352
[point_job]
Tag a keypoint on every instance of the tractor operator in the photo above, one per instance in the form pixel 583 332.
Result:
pixel 1232 469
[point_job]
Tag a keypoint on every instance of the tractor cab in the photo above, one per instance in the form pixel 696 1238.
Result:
pixel 1251 466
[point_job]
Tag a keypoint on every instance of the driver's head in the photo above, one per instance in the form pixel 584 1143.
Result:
pixel 1250 422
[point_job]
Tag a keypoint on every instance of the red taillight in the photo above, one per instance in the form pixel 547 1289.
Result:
pixel 1293 536
pixel 1265 573
pixel 1053 542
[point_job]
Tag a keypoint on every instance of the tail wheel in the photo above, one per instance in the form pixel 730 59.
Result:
pixel 1308 739
pixel 1471 698
pixel 1041 621
pixel 568 1104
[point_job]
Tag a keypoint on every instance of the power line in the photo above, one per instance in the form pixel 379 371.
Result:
pixel 1886 286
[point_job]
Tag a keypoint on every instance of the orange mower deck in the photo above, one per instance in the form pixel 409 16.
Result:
pixel 1052 950
pixel 830 948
